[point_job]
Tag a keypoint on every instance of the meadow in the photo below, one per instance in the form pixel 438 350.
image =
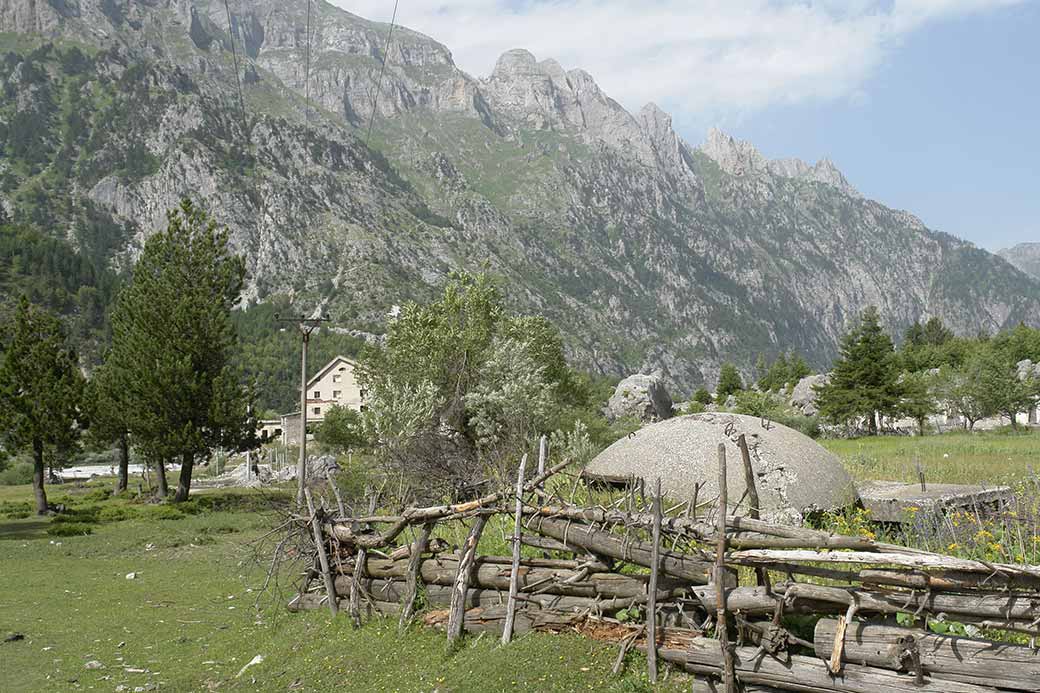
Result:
pixel 189 619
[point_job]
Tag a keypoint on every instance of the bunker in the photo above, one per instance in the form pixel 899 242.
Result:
pixel 794 474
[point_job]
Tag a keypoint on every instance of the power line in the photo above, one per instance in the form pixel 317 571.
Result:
pixel 382 68
pixel 234 56
pixel 307 68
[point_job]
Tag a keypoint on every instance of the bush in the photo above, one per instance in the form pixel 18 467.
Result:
pixel 16 475
pixel 116 513
pixel 68 529
pixel 165 512
pixel 694 407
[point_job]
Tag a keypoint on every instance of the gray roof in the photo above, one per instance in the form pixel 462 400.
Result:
pixel 794 474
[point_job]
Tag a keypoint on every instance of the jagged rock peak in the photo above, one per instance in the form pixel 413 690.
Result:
pixel 741 158
pixel 733 156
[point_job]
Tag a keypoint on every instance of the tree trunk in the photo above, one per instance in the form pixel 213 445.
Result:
pixel 124 464
pixel 184 481
pixel 41 494
pixel 160 475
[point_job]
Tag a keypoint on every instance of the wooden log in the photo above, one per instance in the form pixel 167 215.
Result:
pixel 412 579
pixel 920 561
pixel 949 580
pixel 546 544
pixel 633 551
pixel 462 579
pixel 514 569
pixel 355 588
pixel 754 509
pixel 729 676
pixel 491 619
pixel 981 662
pixel 651 590
pixel 323 559
pixel 806 674
pixel 442 571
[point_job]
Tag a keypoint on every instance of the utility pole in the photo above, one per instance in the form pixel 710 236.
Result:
pixel 306 326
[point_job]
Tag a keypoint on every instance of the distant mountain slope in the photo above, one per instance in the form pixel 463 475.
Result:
pixel 1024 256
pixel 647 251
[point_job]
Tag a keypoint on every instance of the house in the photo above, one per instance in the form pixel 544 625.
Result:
pixel 335 384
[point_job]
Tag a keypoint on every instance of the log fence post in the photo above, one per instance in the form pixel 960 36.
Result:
pixel 412 581
pixel 323 558
pixel 729 676
pixel 514 571
pixel 457 608
pixel 651 594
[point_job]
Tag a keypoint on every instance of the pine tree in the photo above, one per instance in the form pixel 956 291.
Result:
pixel 173 341
pixel 108 416
pixel 40 390
pixel 864 381
pixel 729 382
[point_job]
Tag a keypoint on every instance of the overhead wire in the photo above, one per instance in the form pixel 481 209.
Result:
pixel 234 58
pixel 382 69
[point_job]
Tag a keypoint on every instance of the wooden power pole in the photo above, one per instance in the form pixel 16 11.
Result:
pixel 306 326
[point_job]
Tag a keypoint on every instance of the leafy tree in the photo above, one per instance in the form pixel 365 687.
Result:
pixel 918 398
pixel 702 396
pixel 999 387
pixel 864 381
pixel 173 341
pixel 729 382
pixel 342 429
pixel 109 414
pixel 964 392
pixel 460 384
pixel 40 390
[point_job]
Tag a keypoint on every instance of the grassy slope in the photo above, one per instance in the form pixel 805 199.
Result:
pixel 188 619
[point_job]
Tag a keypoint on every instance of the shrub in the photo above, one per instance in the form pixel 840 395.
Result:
pixel 68 529
pixel 694 407
pixel 16 475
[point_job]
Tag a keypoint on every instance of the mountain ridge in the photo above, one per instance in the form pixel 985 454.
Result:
pixel 648 252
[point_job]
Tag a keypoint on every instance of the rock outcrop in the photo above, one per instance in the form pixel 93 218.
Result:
pixel 803 394
pixel 647 253
pixel 641 396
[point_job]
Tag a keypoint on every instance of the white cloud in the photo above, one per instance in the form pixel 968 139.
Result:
pixel 701 59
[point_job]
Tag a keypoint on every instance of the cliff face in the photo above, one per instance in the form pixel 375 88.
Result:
pixel 1024 256
pixel 648 252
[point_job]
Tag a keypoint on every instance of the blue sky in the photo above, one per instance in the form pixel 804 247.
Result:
pixel 926 105
pixel 948 128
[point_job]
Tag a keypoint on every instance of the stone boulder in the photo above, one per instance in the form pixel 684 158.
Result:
pixel 803 396
pixel 794 474
pixel 641 396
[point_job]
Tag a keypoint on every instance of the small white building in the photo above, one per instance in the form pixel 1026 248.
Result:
pixel 335 384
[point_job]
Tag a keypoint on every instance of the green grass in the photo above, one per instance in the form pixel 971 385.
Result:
pixel 187 621
pixel 993 457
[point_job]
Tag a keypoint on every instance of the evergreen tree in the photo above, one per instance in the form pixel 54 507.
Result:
pixel 40 390
pixel 864 381
pixel 108 416
pixel 729 382
pixel 172 344
pixel 702 396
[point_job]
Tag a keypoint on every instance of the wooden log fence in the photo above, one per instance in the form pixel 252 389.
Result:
pixel 584 565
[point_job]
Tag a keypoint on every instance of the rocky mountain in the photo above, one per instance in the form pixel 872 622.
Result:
pixel 648 252
pixel 1024 256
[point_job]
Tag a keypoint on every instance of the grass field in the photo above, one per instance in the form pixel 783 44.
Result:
pixel 186 622
pixel 994 457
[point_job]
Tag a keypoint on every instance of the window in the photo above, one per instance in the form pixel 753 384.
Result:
pixel 317 411
pixel 336 394
pixel 317 394
pixel 336 378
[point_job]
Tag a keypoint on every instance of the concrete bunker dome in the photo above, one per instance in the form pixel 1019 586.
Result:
pixel 794 474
